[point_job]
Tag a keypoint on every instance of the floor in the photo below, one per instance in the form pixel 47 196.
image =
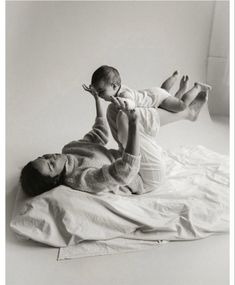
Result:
pixel 201 262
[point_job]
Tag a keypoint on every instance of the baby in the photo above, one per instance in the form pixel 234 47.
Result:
pixel 106 83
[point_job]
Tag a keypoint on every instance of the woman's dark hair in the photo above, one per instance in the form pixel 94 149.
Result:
pixel 34 183
pixel 106 73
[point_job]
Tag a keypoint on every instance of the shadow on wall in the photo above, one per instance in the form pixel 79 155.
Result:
pixel 218 61
pixel 10 202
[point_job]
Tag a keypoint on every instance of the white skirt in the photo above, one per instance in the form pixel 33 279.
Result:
pixel 152 165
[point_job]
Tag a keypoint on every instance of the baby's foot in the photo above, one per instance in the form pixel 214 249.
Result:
pixel 183 86
pixel 195 107
pixel 184 82
pixel 169 82
pixel 204 87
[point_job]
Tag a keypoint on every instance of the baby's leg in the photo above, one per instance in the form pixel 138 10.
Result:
pixel 169 82
pixel 152 166
pixel 190 113
pixel 197 104
pixel 173 104
pixel 151 119
pixel 183 87
pixel 189 96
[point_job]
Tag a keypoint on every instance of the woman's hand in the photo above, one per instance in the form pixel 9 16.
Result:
pixel 123 106
pixel 91 90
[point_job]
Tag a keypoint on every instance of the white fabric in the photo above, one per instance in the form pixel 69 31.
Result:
pixel 192 203
pixel 152 165
pixel 112 246
pixel 149 97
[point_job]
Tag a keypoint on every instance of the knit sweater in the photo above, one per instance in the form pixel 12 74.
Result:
pixel 93 168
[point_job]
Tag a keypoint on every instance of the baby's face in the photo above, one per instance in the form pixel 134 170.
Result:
pixel 106 91
pixel 50 164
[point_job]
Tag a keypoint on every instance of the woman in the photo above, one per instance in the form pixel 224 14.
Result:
pixel 87 165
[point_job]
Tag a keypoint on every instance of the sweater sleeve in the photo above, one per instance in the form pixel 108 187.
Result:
pixel 137 185
pixel 99 133
pixel 120 172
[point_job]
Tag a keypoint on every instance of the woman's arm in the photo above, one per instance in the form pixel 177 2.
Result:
pixel 99 133
pixel 133 141
pixel 99 110
pixel 120 172
pixel 92 91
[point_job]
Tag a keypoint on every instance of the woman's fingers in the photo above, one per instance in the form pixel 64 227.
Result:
pixel 121 103
pixel 115 102
pixel 126 106
pixel 86 88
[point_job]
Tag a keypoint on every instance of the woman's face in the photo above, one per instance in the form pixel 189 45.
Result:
pixel 50 164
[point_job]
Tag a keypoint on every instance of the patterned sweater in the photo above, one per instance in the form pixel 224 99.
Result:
pixel 93 168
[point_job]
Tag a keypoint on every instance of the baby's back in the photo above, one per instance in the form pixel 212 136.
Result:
pixel 149 97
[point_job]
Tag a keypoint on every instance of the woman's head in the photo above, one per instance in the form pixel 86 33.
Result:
pixel 43 174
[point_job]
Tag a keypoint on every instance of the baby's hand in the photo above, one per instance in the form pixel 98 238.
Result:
pixel 91 90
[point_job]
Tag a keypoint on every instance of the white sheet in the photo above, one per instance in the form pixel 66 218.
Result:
pixel 192 203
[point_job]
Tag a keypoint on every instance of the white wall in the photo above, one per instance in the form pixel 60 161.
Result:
pixel 53 47
pixel 218 61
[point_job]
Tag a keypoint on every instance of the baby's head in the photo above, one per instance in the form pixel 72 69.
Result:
pixel 106 80
pixel 43 174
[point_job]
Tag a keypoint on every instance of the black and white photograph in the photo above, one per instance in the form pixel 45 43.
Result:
pixel 119 142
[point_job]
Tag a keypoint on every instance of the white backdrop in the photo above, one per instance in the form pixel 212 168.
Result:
pixel 53 47
pixel 218 61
